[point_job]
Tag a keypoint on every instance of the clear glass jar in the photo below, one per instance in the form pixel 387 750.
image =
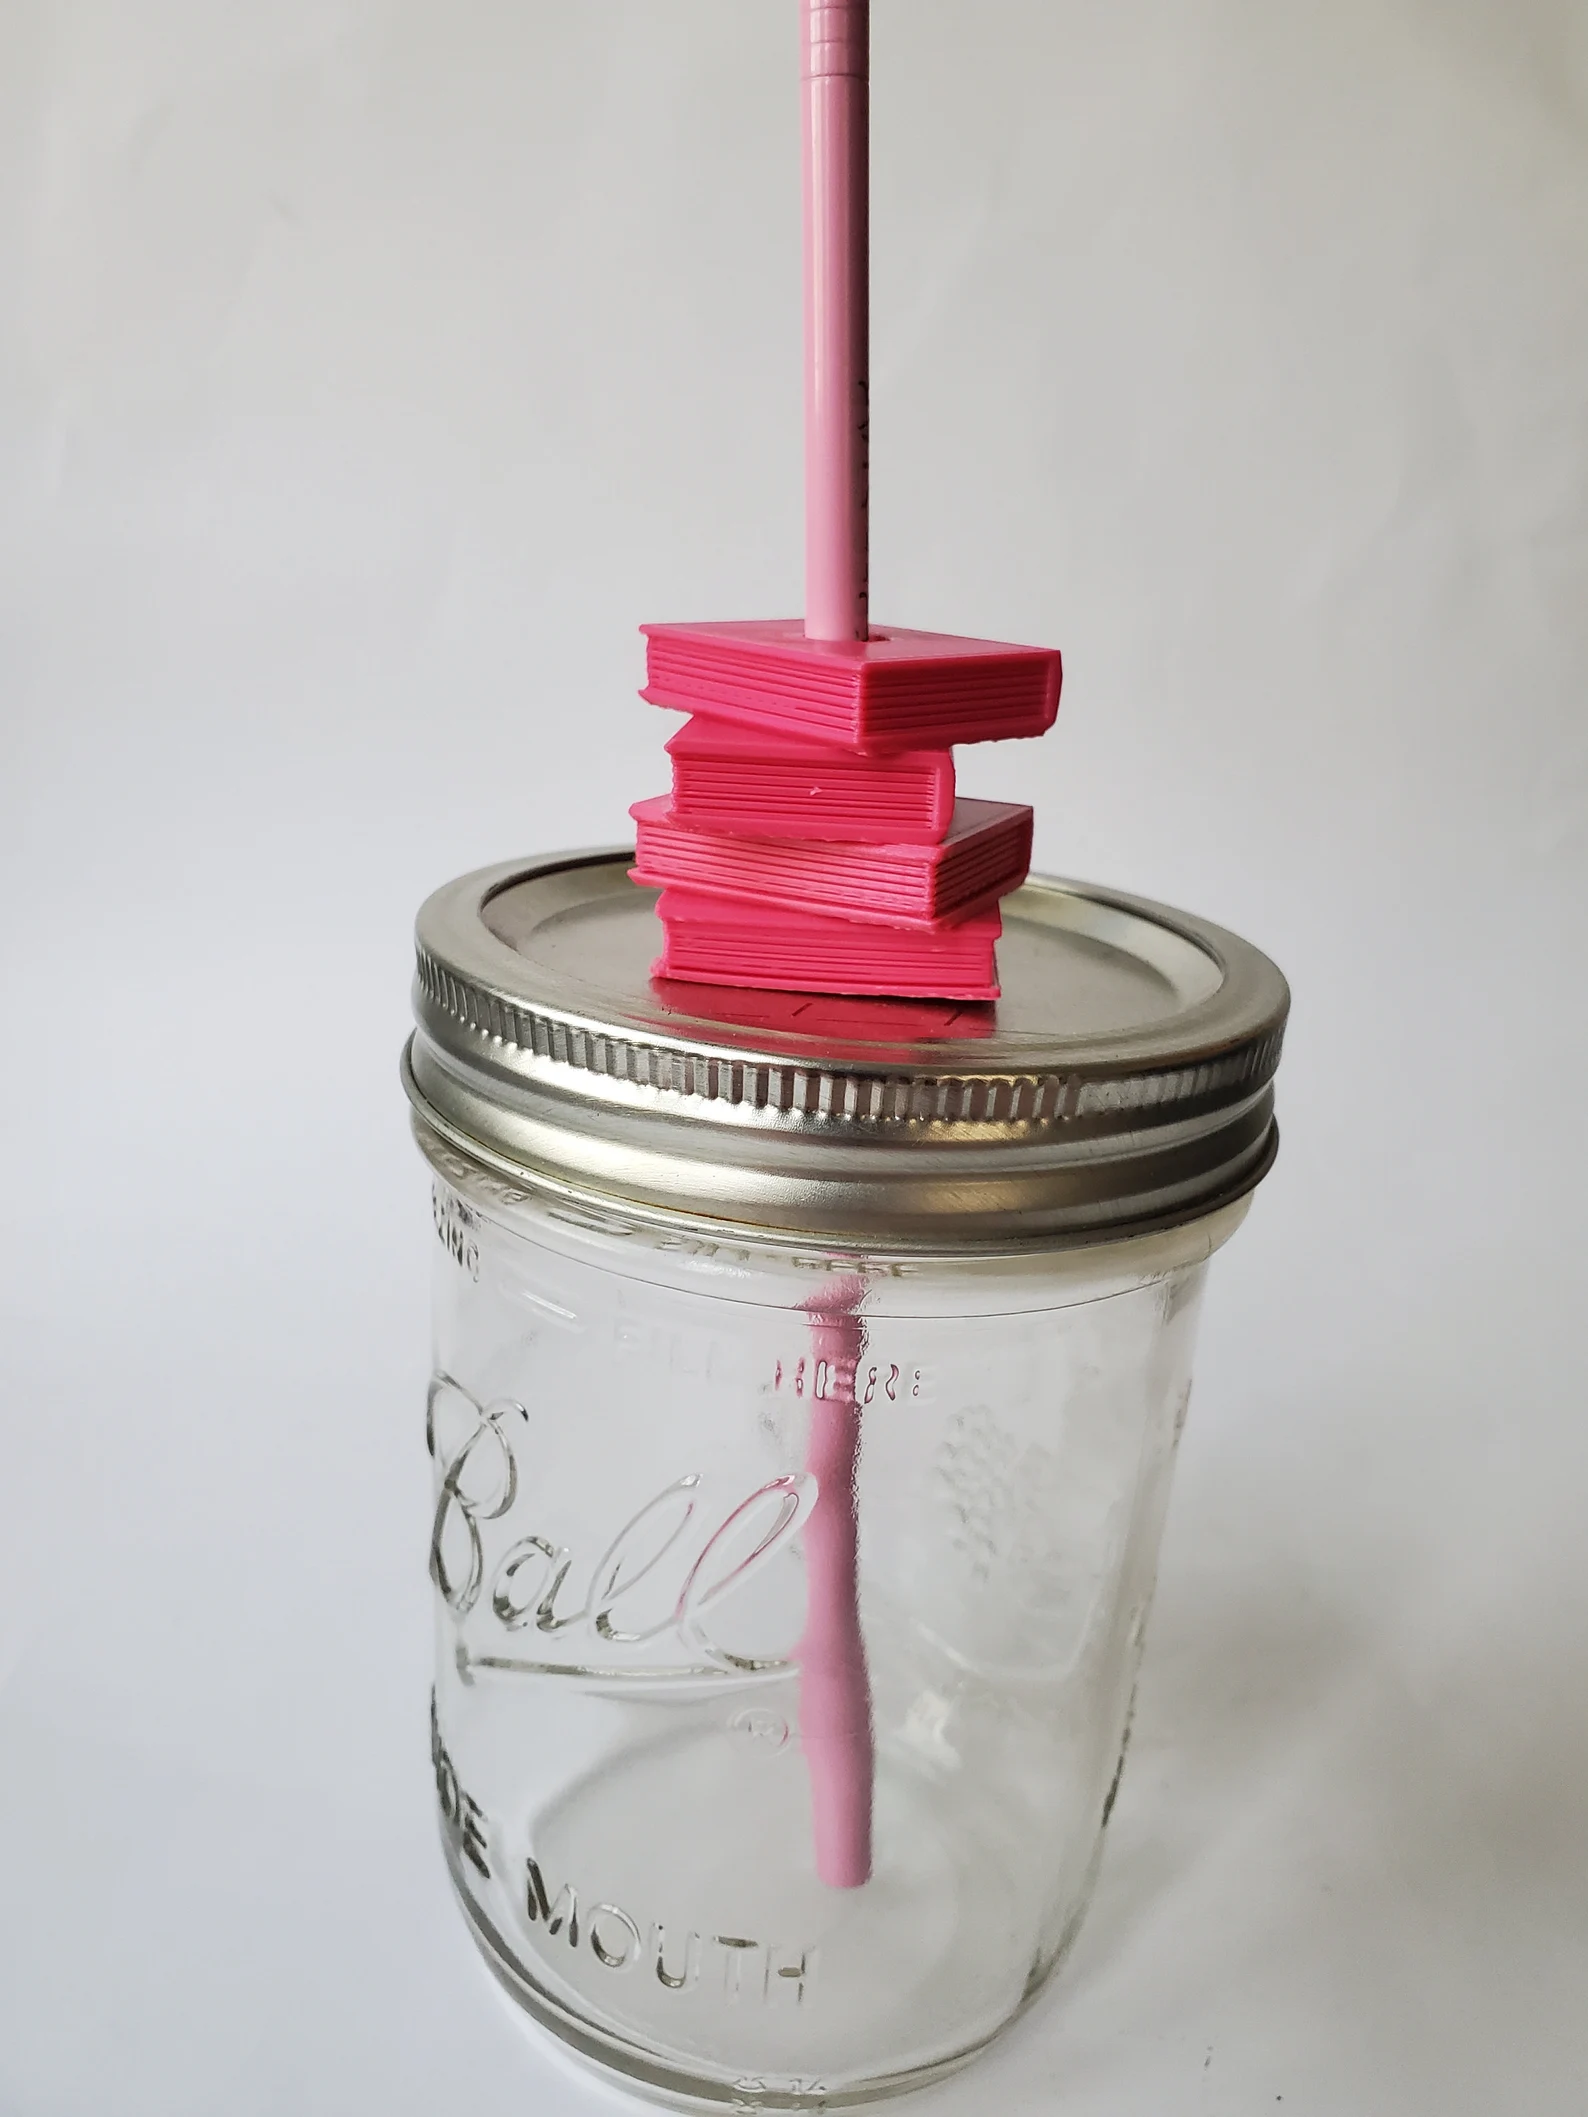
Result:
pixel 790 1595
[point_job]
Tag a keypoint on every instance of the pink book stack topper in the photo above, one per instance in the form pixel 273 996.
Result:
pixel 727 778
pixel 711 939
pixel 984 855
pixel 812 841
pixel 815 777
pixel 897 690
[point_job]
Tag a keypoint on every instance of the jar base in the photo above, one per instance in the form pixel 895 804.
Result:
pixel 640 2072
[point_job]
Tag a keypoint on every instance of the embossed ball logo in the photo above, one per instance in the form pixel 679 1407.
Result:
pixel 663 1577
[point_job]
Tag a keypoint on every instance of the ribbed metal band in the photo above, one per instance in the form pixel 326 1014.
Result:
pixel 858 1098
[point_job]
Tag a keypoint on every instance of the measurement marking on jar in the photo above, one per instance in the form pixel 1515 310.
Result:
pixel 737 1966
pixel 886 1380
pixel 804 1261
pixel 752 2096
pixel 456 1226
pixel 699 1246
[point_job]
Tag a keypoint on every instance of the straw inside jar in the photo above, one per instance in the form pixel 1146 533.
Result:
pixel 835 1686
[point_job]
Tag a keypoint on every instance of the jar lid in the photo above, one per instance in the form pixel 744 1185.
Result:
pixel 1123 1081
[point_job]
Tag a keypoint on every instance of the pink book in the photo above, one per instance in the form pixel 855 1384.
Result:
pixel 897 690
pixel 985 855
pixel 867 1018
pixel 732 777
pixel 728 941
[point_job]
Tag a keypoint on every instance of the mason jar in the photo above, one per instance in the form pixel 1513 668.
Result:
pixel 807 1380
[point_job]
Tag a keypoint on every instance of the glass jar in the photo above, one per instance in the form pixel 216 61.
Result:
pixel 807 1382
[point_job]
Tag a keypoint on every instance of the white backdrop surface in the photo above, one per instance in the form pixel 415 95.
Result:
pixel 368 371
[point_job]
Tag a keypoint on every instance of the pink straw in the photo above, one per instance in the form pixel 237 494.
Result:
pixel 835 54
pixel 835 1689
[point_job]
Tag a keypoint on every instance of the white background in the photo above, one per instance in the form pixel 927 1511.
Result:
pixel 369 370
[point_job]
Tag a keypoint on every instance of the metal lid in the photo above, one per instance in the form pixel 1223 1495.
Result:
pixel 1124 1080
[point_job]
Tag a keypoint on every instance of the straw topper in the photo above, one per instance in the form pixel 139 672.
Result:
pixel 812 841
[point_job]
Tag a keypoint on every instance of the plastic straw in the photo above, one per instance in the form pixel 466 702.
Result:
pixel 835 1687
pixel 835 51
